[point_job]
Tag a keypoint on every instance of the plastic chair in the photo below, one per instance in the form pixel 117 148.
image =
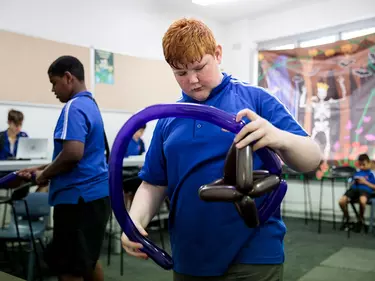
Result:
pixel 372 214
pixel 336 173
pixel 27 224
pixel 290 173
pixel 371 203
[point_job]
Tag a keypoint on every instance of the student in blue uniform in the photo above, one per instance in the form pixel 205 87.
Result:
pixel 78 176
pixel 131 180
pixel 9 138
pixel 361 189
pixel 136 145
pixel 211 239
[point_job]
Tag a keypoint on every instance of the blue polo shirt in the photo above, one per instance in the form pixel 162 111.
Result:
pixel 80 120
pixel 185 154
pixel 135 148
pixel 369 175
pixel 5 149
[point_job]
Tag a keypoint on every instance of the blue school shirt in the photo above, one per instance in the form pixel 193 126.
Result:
pixel 80 120
pixel 369 175
pixel 135 148
pixel 185 154
pixel 5 151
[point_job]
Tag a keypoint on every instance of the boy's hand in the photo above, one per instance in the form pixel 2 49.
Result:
pixel 361 180
pixel 28 172
pixel 40 180
pixel 133 248
pixel 259 130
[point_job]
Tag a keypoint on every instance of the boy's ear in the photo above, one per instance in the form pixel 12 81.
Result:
pixel 69 77
pixel 218 53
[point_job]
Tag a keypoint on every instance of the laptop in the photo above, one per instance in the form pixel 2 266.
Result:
pixel 32 148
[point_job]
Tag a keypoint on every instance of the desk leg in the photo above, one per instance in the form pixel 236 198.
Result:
pixel 309 198
pixel 320 206
pixel 110 234
pixel 333 203
pixel 284 201
pixel 305 198
pixel 371 228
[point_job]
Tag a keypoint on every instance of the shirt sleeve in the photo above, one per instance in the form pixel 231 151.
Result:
pixel 142 150
pixel 371 178
pixel 272 109
pixel 154 169
pixel 73 123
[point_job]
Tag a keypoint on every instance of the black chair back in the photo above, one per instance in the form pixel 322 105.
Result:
pixel 343 171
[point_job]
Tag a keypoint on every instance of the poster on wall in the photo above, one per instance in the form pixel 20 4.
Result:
pixel 330 90
pixel 104 67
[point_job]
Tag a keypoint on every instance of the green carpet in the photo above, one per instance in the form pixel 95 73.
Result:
pixel 309 256
pixel 348 264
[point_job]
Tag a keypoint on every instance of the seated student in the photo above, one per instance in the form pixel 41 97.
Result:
pixel 136 145
pixel 131 179
pixel 9 138
pixel 361 188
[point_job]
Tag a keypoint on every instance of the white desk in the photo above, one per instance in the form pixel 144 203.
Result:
pixel 15 165
pixel 134 161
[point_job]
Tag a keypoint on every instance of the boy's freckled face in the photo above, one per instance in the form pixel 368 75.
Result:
pixel 198 79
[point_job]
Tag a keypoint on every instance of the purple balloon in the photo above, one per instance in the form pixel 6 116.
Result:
pixel 13 176
pixel 272 202
pixel 8 178
pixel 206 113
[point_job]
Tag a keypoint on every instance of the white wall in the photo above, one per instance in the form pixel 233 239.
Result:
pixel 41 119
pixel 318 15
pixel 121 26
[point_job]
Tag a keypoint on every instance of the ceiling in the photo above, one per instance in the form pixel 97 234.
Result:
pixel 226 12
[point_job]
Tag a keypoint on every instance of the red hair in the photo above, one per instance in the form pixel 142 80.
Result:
pixel 187 41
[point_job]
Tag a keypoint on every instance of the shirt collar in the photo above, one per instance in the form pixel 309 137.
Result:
pixel 82 94
pixel 215 91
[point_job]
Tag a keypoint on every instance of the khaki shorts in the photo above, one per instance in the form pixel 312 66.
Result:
pixel 243 272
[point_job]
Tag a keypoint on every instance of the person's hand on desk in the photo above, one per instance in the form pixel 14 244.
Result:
pixel 28 172
pixel 40 179
pixel 37 172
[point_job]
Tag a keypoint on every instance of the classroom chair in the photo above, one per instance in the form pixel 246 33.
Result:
pixel 290 173
pixel 336 173
pixel 28 223
pixel 371 203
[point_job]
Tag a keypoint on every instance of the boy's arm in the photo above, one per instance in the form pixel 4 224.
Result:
pixel 298 152
pixel 370 182
pixel 146 203
pixel 72 130
pixel 276 128
pixel 370 185
pixel 67 159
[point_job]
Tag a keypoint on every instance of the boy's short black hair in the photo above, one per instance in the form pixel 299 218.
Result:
pixel 15 117
pixel 363 158
pixel 143 127
pixel 67 63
